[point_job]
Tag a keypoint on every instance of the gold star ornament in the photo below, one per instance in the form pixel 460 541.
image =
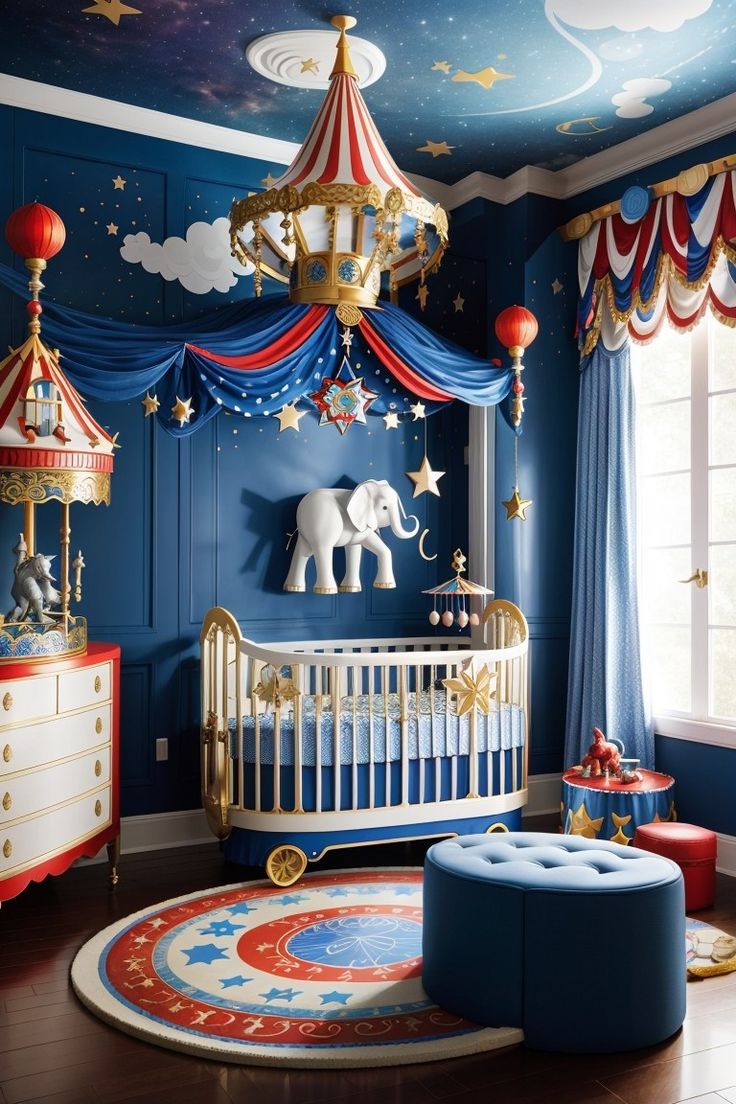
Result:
pixel 182 410
pixel 113 10
pixel 112 228
pixel 458 302
pixel 436 148
pixel 425 479
pixel 309 65
pixel 516 506
pixel 441 67
pixel 150 403
pixel 486 78
pixel 288 417
pixel 473 690
pixel 119 183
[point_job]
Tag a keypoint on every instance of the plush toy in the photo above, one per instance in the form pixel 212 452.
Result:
pixel 602 756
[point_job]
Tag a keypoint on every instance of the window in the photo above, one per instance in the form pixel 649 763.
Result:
pixel 43 407
pixel 686 447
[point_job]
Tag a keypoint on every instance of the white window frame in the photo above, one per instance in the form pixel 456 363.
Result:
pixel 698 727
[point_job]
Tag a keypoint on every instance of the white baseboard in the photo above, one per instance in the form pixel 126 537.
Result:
pixel 726 861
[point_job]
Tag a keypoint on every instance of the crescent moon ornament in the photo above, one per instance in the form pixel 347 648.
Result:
pixel 584 125
pixel 422 553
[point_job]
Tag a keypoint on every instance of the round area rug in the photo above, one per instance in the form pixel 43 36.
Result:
pixel 326 973
pixel 709 951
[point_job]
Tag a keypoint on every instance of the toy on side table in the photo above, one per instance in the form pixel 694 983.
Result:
pixel 603 757
pixel 59 707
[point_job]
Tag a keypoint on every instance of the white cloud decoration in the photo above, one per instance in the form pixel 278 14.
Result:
pixel 201 262
pixel 627 15
pixel 631 101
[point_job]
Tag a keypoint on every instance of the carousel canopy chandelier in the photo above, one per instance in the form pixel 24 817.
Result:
pixel 342 213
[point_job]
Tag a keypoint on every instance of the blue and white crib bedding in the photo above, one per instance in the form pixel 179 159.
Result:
pixel 500 730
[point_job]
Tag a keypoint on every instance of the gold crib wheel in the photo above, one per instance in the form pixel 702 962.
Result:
pixel 499 826
pixel 286 864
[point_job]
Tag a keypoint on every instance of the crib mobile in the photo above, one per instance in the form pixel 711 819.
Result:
pixel 456 596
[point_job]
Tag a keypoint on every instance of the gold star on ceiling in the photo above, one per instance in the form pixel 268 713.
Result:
pixel 441 67
pixel 392 420
pixel 516 506
pixel 268 181
pixel 486 78
pixel 418 410
pixel 112 10
pixel 309 65
pixel 425 479
pixel 421 295
pixel 556 286
pixel 182 411
pixel 150 403
pixel 289 416
pixel 582 825
pixel 435 148
pixel 458 302
pixel 119 183
pixel 111 228
pixel 473 690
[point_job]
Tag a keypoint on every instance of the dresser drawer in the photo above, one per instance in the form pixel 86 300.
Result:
pixel 27 699
pixel 48 834
pixel 35 745
pixel 25 794
pixel 83 687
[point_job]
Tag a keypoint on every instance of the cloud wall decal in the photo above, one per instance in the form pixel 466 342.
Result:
pixel 201 262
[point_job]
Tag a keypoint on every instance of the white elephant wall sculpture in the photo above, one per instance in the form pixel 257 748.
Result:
pixel 330 518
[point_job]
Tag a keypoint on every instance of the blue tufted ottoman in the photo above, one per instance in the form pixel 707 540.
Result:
pixel 579 942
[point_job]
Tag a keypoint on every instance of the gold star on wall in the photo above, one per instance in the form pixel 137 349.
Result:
pixel 486 78
pixel 182 411
pixel 119 183
pixel 421 295
pixel 392 420
pixel 111 9
pixel 556 286
pixel 425 479
pixel 516 506
pixel 473 690
pixel 458 302
pixel 268 181
pixel 150 404
pixel 309 65
pixel 418 410
pixel 441 67
pixel 289 416
pixel 112 228
pixel 435 148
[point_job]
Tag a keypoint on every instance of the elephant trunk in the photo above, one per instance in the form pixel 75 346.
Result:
pixel 395 521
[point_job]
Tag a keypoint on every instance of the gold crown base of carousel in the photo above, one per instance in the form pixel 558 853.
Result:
pixel 51 451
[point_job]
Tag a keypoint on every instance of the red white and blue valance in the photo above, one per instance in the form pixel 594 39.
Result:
pixel 253 358
pixel 674 261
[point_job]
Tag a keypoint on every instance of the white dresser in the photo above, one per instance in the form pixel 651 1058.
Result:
pixel 59 794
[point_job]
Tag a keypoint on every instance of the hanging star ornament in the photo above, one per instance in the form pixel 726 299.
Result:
pixel 182 410
pixel 516 506
pixel 288 417
pixel 340 404
pixel 418 411
pixel 425 479
pixel 391 419
pixel 150 403
pixel 346 337
pixel 112 10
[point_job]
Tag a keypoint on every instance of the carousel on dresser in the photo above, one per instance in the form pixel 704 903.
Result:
pixel 58 697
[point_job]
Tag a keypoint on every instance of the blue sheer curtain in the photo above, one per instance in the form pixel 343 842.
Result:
pixel 605 681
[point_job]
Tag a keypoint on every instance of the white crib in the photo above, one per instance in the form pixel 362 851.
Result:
pixel 313 745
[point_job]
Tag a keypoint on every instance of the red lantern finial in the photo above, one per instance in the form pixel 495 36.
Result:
pixel 516 328
pixel 37 234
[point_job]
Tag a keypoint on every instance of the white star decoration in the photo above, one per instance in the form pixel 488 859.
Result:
pixel 425 479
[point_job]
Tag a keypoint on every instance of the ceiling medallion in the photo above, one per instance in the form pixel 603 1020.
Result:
pixel 304 59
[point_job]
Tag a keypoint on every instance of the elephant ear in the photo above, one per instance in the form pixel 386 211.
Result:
pixel 360 508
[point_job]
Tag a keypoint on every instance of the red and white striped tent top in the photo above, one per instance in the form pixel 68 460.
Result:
pixel 43 421
pixel 343 145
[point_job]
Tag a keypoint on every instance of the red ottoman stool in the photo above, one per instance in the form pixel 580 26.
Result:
pixel 694 851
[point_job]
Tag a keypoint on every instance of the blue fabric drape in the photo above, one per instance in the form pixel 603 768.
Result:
pixel 605 680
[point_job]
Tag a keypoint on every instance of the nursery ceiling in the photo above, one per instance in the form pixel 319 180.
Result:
pixel 469 85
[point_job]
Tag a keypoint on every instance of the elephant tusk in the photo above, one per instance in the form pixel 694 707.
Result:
pixel 422 553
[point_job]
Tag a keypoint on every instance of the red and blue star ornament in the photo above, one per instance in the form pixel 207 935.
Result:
pixel 342 403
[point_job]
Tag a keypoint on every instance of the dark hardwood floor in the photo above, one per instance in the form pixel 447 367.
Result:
pixel 53 1051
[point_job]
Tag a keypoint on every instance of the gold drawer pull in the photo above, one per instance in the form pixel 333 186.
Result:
pixel 7 802
pixel 7 849
pixel 8 702
pixel 98 725
pixel 7 753
pixel 98 808
pixel 98 684
pixel 98 768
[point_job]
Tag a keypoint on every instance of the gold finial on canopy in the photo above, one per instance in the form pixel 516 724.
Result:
pixel 343 62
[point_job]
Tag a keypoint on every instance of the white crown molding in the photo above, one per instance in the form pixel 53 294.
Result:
pixel 712 121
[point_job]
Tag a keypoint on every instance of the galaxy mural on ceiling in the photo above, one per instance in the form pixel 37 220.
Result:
pixel 468 86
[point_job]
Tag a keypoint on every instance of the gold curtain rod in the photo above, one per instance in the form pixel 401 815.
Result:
pixel 687 183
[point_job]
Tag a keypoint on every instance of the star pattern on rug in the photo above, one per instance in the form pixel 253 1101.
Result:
pixel 228 983
pixel 281 994
pixel 335 998
pixel 221 927
pixel 241 909
pixel 206 954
